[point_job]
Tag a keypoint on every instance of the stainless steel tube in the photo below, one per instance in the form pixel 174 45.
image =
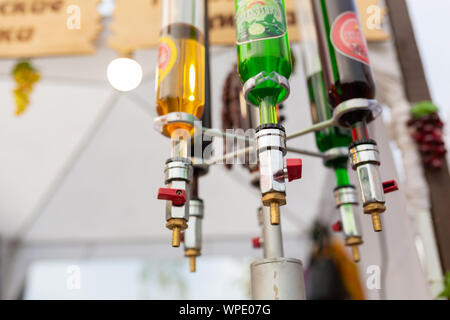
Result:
pixel 277 279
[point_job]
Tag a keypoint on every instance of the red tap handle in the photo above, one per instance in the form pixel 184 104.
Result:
pixel 177 196
pixel 337 226
pixel 294 169
pixel 390 186
pixel 182 236
pixel 256 242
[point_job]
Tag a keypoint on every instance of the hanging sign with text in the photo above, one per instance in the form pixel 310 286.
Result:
pixel 136 23
pixel 30 28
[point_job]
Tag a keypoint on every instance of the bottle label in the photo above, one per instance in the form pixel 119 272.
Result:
pixel 259 20
pixel 167 56
pixel 348 38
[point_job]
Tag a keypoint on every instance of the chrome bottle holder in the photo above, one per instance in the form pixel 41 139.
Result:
pixel 263 76
pixel 354 105
pixel 160 124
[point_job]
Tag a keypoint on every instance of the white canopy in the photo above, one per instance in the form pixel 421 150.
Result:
pixel 79 173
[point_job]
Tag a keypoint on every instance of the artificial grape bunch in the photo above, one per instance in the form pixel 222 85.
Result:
pixel 427 130
pixel 25 76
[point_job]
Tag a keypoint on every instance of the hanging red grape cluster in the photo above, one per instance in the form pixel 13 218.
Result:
pixel 427 130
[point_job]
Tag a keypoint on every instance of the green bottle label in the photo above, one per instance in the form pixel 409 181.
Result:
pixel 259 20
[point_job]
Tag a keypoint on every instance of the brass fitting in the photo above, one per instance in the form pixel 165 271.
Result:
pixel 354 242
pixel 176 225
pixel 274 200
pixel 355 253
pixel 192 254
pixel 375 209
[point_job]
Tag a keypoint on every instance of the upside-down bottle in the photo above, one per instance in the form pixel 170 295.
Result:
pixel 350 88
pixel 332 141
pixel 181 60
pixel 180 98
pixel 344 54
pixel 263 46
pixel 264 65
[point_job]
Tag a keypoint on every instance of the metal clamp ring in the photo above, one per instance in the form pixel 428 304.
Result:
pixel 336 153
pixel 160 124
pixel 261 77
pixel 356 105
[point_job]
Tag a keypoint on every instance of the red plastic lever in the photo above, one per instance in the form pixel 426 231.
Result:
pixel 390 186
pixel 337 226
pixel 177 196
pixel 256 242
pixel 294 169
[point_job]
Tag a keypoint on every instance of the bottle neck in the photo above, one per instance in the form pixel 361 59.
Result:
pixel 342 178
pixel 360 131
pixel 267 112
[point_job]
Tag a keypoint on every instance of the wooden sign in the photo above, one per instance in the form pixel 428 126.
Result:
pixel 372 14
pixel 136 23
pixel 30 28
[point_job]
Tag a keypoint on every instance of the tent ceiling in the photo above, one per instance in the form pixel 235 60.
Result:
pixel 84 162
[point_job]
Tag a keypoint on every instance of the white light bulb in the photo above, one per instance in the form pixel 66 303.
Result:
pixel 124 74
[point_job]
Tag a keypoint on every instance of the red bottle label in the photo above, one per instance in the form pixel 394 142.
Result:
pixel 163 56
pixel 348 38
pixel 167 56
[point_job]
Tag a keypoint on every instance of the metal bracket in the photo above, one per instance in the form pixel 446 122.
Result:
pixel 160 124
pixel 261 77
pixel 356 105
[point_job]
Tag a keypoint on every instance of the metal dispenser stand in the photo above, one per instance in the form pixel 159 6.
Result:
pixel 275 277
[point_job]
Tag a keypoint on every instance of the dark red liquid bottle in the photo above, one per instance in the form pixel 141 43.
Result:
pixel 343 53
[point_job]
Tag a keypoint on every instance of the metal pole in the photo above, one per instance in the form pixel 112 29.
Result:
pixel 277 279
pixel 220 134
pixel 307 153
pixel 316 127
pixel 243 151
pixel 272 238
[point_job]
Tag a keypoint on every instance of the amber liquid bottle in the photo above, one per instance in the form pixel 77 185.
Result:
pixel 181 70
pixel 343 54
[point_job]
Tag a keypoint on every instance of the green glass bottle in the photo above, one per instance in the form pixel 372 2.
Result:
pixel 341 173
pixel 332 137
pixel 263 45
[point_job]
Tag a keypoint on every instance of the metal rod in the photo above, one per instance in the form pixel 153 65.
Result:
pixel 272 237
pixel 306 152
pixel 230 155
pixel 220 134
pixel 244 151
pixel 316 127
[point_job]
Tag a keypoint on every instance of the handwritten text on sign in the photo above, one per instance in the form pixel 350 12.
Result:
pixel 30 28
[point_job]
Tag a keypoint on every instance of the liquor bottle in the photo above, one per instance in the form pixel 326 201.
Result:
pixel 332 137
pixel 348 76
pixel 180 74
pixel 263 46
pixel 343 53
